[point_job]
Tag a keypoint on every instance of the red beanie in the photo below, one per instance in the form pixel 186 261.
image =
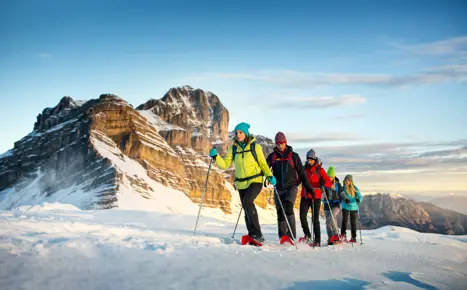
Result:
pixel 280 138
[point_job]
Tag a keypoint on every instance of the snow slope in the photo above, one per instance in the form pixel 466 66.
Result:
pixel 57 246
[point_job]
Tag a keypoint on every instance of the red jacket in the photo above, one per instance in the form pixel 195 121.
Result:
pixel 314 180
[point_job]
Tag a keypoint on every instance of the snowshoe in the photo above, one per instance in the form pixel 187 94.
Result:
pixel 247 240
pixel 286 239
pixel 343 238
pixel 334 240
pixel 305 240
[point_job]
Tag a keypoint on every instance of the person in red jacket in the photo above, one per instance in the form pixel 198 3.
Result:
pixel 318 178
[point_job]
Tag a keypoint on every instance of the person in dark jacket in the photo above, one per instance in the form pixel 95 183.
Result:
pixel 288 170
pixel 318 179
pixel 332 206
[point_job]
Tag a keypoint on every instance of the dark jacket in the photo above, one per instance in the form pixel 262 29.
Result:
pixel 287 176
pixel 335 196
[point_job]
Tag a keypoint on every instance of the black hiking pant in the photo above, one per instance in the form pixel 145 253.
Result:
pixel 353 222
pixel 287 198
pixel 248 196
pixel 315 204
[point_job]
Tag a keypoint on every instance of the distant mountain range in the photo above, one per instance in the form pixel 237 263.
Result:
pixel 380 210
pixel 452 202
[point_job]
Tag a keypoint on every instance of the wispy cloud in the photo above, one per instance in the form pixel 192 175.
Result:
pixel 443 47
pixel 390 157
pixel 452 73
pixel 324 102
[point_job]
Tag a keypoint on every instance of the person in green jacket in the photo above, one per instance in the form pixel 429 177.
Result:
pixel 250 167
pixel 350 207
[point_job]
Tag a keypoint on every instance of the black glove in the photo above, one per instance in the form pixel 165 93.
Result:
pixel 358 201
pixel 347 201
pixel 312 193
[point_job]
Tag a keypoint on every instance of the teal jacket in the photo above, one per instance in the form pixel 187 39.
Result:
pixel 353 206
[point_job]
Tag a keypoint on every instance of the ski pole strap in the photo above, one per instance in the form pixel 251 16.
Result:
pixel 248 178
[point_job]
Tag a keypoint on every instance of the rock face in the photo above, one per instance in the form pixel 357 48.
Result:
pixel 388 209
pixel 56 159
pixel 62 159
pixel 190 118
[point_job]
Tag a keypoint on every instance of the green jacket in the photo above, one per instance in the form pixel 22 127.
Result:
pixel 245 164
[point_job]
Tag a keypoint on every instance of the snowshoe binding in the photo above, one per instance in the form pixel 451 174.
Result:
pixel 247 240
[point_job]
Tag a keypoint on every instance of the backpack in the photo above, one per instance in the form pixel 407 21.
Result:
pixel 252 149
pixel 333 196
pixel 289 158
pixel 253 152
pixel 318 172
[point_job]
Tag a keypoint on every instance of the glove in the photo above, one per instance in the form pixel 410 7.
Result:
pixel 312 194
pixel 347 201
pixel 358 201
pixel 272 180
pixel 213 153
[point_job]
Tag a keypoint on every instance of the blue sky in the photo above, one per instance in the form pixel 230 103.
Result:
pixel 327 73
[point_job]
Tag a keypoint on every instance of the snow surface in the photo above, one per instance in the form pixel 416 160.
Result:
pixel 60 247
pixel 79 103
pixel 157 122
pixel 33 194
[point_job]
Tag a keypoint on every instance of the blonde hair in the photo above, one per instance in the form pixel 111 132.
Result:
pixel 349 189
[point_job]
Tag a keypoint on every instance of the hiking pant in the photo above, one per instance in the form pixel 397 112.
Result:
pixel 315 204
pixel 248 196
pixel 331 225
pixel 353 222
pixel 287 198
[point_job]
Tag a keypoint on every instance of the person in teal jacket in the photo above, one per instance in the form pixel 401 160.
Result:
pixel 350 207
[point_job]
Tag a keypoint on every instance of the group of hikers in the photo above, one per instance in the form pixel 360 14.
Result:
pixel 284 170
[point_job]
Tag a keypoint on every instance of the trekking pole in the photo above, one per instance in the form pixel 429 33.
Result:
pixel 360 224
pixel 332 216
pixel 283 211
pixel 312 218
pixel 235 229
pixel 202 196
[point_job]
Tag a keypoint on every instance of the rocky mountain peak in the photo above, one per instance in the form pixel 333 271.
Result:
pixel 189 117
pixel 53 116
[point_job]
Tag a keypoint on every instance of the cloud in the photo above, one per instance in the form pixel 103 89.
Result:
pixel 450 46
pixel 321 138
pixel 323 102
pixel 390 158
pixel 454 48
pixel 450 73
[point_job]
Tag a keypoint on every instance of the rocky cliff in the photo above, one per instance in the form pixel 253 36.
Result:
pixel 65 157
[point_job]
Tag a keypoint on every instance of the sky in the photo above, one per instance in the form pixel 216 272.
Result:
pixel 377 88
